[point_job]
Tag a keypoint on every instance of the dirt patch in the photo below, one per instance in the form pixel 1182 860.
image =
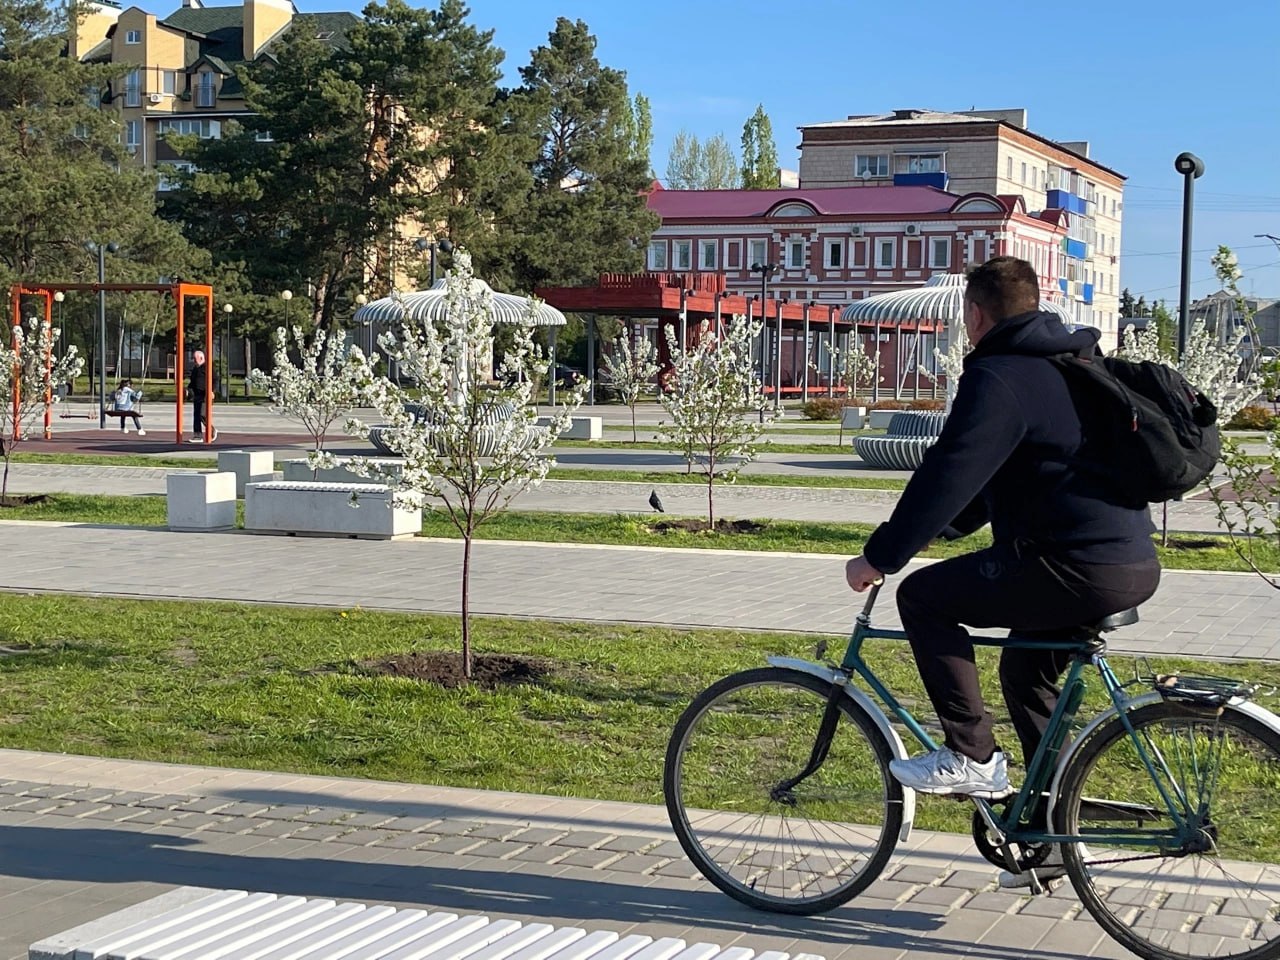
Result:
pixel 1198 543
pixel 488 670
pixel 700 526
pixel 23 499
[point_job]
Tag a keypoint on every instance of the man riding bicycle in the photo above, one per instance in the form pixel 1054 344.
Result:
pixel 1064 553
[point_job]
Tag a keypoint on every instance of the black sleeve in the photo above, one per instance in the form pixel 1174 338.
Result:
pixel 983 428
pixel 967 520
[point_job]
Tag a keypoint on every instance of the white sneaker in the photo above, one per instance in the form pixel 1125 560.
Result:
pixel 141 432
pixel 196 440
pixel 123 428
pixel 944 771
pixel 1051 869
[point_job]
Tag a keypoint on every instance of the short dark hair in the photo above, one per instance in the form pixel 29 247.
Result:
pixel 1004 287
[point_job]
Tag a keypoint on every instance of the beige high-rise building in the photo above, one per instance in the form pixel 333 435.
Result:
pixel 989 151
pixel 183 66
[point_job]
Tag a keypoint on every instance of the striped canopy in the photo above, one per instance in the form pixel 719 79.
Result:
pixel 433 304
pixel 940 298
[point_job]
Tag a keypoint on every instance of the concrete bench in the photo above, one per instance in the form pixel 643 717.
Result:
pixel 300 471
pixel 200 501
pixel 580 428
pixel 852 418
pixel 325 510
pixel 249 466
pixel 227 924
pixel 910 434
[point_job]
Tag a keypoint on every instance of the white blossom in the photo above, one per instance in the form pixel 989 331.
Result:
pixel 711 385
pixel 467 444
pixel 854 365
pixel 629 372
pixel 30 377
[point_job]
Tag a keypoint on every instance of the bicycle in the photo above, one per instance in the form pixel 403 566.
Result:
pixel 778 788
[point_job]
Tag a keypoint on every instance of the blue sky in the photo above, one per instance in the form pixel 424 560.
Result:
pixel 1141 80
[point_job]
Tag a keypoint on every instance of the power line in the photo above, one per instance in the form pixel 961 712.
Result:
pixel 1174 253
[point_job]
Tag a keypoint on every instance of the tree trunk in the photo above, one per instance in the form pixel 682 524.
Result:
pixel 466 605
pixel 1164 524
pixel 4 486
pixel 711 480
pixel 633 423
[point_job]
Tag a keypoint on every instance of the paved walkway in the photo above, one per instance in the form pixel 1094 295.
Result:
pixel 1197 614
pixel 82 837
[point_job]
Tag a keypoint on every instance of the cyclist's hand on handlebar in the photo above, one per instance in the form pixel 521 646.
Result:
pixel 860 574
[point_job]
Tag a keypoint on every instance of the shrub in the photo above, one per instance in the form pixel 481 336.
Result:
pixel 926 404
pixel 824 408
pixel 1253 417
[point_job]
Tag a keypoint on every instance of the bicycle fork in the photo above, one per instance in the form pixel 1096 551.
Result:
pixel 781 792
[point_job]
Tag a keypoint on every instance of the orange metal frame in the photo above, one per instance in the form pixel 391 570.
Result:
pixel 180 291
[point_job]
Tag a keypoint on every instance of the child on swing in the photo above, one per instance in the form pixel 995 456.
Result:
pixel 125 397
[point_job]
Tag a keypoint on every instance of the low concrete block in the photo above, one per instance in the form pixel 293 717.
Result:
pixel 299 471
pixel 852 418
pixel 325 510
pixel 580 428
pixel 201 501
pixel 249 466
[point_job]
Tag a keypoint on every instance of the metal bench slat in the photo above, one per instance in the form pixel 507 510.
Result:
pixel 239 941
pixel 384 928
pixel 522 938
pixel 623 948
pixel 490 933
pixel 145 943
pixel 95 949
pixel 245 921
pixel 449 929
pixel 549 945
pixel 342 921
pixel 588 946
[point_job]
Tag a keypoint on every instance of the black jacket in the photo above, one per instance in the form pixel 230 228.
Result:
pixel 1003 456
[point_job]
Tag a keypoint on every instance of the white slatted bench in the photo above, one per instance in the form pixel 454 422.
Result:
pixel 190 923
pixel 324 510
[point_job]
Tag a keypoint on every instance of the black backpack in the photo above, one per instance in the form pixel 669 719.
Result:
pixel 1149 435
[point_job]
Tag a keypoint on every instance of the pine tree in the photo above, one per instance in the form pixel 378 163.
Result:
pixel 1127 304
pixel 759 153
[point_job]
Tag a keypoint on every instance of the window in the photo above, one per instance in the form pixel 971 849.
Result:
pixel 264 136
pixel 167 184
pixel 132 135
pixel 169 81
pixel 133 88
pixel 706 254
pixel 133 37
pixel 835 254
pixel 871 166
pixel 939 252
pixel 684 255
pixel 733 257
pixel 205 91
pixel 204 129
pixel 759 253
pixel 795 255
pixel 920 163
pixel 658 255
pixel 1024 174
pixel 884 254
pixel 324 35
pixel 1008 168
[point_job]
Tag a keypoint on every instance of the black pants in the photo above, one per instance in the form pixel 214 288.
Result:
pixel 1029 593
pixel 197 412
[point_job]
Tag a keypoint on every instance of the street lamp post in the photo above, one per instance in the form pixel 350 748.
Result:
pixel 102 249
pixel 286 296
pixel 227 310
pixel 1192 168
pixel 361 300
pixel 444 245
pixel 766 270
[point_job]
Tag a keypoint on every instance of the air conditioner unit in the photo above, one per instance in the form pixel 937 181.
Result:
pixel 855 230
pixel 156 98
pixel 913 229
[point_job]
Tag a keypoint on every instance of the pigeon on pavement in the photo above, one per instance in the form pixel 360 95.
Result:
pixel 655 502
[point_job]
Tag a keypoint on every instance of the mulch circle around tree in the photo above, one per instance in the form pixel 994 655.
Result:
pixel 1193 543
pixel 23 499
pixel 700 526
pixel 488 670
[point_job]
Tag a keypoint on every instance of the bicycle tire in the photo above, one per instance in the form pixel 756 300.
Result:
pixel 1165 904
pixel 823 863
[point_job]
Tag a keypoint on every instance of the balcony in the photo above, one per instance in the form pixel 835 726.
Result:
pixel 937 179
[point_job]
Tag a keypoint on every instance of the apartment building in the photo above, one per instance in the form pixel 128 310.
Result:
pixel 992 152
pixel 182 78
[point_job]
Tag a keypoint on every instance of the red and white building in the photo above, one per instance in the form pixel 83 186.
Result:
pixel 839 244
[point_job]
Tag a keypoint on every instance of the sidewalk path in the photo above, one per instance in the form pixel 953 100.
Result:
pixel 815 504
pixel 82 837
pixel 1193 613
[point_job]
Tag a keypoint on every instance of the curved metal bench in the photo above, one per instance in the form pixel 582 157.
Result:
pixel 910 434
pixel 493 413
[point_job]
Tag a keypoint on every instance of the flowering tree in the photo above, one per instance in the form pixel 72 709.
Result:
pixel 854 365
pixel 30 378
pixel 472 447
pixel 630 372
pixel 322 387
pixel 705 402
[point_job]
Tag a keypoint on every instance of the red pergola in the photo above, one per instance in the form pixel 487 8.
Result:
pixel 179 290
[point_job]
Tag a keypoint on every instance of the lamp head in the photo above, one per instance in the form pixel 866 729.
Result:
pixel 227 308
pixel 1188 163
pixel 286 295
pixel 59 296
pixel 446 245
pixel 361 299
pixel 421 244
pixel 113 248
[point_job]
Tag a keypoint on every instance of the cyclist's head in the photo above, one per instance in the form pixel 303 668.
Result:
pixel 1002 287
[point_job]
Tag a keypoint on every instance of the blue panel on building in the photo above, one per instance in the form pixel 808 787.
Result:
pixel 1062 284
pixel 1086 292
pixel 1062 200
pixel 1074 248
pixel 938 180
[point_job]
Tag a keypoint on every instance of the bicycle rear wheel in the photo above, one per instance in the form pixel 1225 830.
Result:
pixel 798 848
pixel 1214 890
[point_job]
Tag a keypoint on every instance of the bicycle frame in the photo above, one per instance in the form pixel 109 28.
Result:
pixel 1045 761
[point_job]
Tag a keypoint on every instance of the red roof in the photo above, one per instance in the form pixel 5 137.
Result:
pixel 827 201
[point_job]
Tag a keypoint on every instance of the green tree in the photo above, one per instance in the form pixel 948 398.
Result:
pixel 1166 326
pixel 683 161
pixel 639 129
pixel 759 152
pixel 694 165
pixel 586 213
pixel 1127 304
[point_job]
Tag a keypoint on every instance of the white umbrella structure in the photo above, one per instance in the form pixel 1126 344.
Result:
pixel 433 304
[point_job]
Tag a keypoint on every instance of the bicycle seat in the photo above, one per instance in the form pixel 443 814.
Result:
pixel 1122 619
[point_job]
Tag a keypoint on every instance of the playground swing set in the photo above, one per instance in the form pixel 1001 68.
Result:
pixel 179 290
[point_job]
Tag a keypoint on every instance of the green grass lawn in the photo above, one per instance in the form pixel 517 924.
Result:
pixel 857 481
pixel 1185 552
pixel 123 460
pixel 277 688
pixel 765 447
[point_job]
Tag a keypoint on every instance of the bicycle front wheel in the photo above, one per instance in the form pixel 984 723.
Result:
pixel 1207 888
pixel 751 823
